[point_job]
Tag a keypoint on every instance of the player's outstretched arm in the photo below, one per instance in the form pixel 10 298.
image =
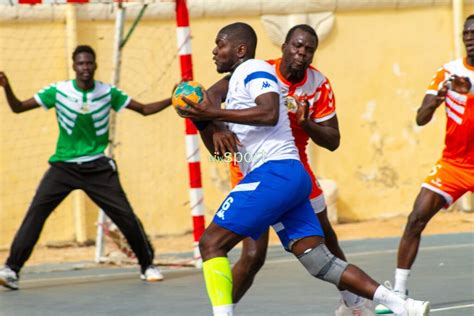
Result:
pixel 16 105
pixel 150 108
pixel 217 93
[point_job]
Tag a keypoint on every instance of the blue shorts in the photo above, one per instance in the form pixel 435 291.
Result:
pixel 276 193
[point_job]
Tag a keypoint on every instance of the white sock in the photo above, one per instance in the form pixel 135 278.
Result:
pixel 401 279
pixel 350 299
pixel 223 310
pixel 387 298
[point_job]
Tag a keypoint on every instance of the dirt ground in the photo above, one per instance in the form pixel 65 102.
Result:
pixel 444 222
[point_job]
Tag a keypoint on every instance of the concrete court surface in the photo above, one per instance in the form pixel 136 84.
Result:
pixel 443 274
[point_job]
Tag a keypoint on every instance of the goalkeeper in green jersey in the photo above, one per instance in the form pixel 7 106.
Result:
pixel 83 106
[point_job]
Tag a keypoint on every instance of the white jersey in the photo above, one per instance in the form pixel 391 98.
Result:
pixel 259 143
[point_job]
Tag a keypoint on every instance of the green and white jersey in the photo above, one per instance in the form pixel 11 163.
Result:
pixel 83 117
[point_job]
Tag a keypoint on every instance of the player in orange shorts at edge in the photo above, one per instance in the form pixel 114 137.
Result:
pixel 312 113
pixel 453 174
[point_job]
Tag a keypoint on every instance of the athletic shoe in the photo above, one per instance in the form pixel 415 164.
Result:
pixel 415 308
pixel 382 309
pixel 8 278
pixel 152 274
pixel 364 308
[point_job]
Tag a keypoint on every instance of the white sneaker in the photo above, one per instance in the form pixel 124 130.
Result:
pixel 152 274
pixel 8 278
pixel 415 308
pixel 384 310
pixel 364 308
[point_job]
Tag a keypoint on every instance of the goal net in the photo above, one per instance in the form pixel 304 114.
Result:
pixel 150 151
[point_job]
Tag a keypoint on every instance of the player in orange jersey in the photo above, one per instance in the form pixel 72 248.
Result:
pixel 311 108
pixel 453 174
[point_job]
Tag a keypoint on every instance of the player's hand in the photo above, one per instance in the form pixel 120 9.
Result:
pixel 460 84
pixel 3 79
pixel 302 110
pixel 225 142
pixel 203 111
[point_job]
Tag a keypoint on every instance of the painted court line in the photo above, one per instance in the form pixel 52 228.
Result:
pixel 380 252
pixel 429 248
pixel 130 274
pixel 96 277
pixel 434 310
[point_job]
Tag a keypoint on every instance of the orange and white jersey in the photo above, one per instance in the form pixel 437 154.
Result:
pixel 458 67
pixel 317 89
pixel 459 139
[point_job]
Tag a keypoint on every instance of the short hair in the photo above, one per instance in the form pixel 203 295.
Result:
pixel 82 49
pixel 471 17
pixel 304 27
pixel 242 32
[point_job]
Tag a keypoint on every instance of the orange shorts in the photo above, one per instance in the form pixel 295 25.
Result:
pixel 316 197
pixel 450 180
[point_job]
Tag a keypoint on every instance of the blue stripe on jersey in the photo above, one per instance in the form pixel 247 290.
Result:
pixel 260 75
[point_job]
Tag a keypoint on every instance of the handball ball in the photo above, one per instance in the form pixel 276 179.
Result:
pixel 189 89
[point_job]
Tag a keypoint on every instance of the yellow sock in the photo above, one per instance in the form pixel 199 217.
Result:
pixel 218 277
